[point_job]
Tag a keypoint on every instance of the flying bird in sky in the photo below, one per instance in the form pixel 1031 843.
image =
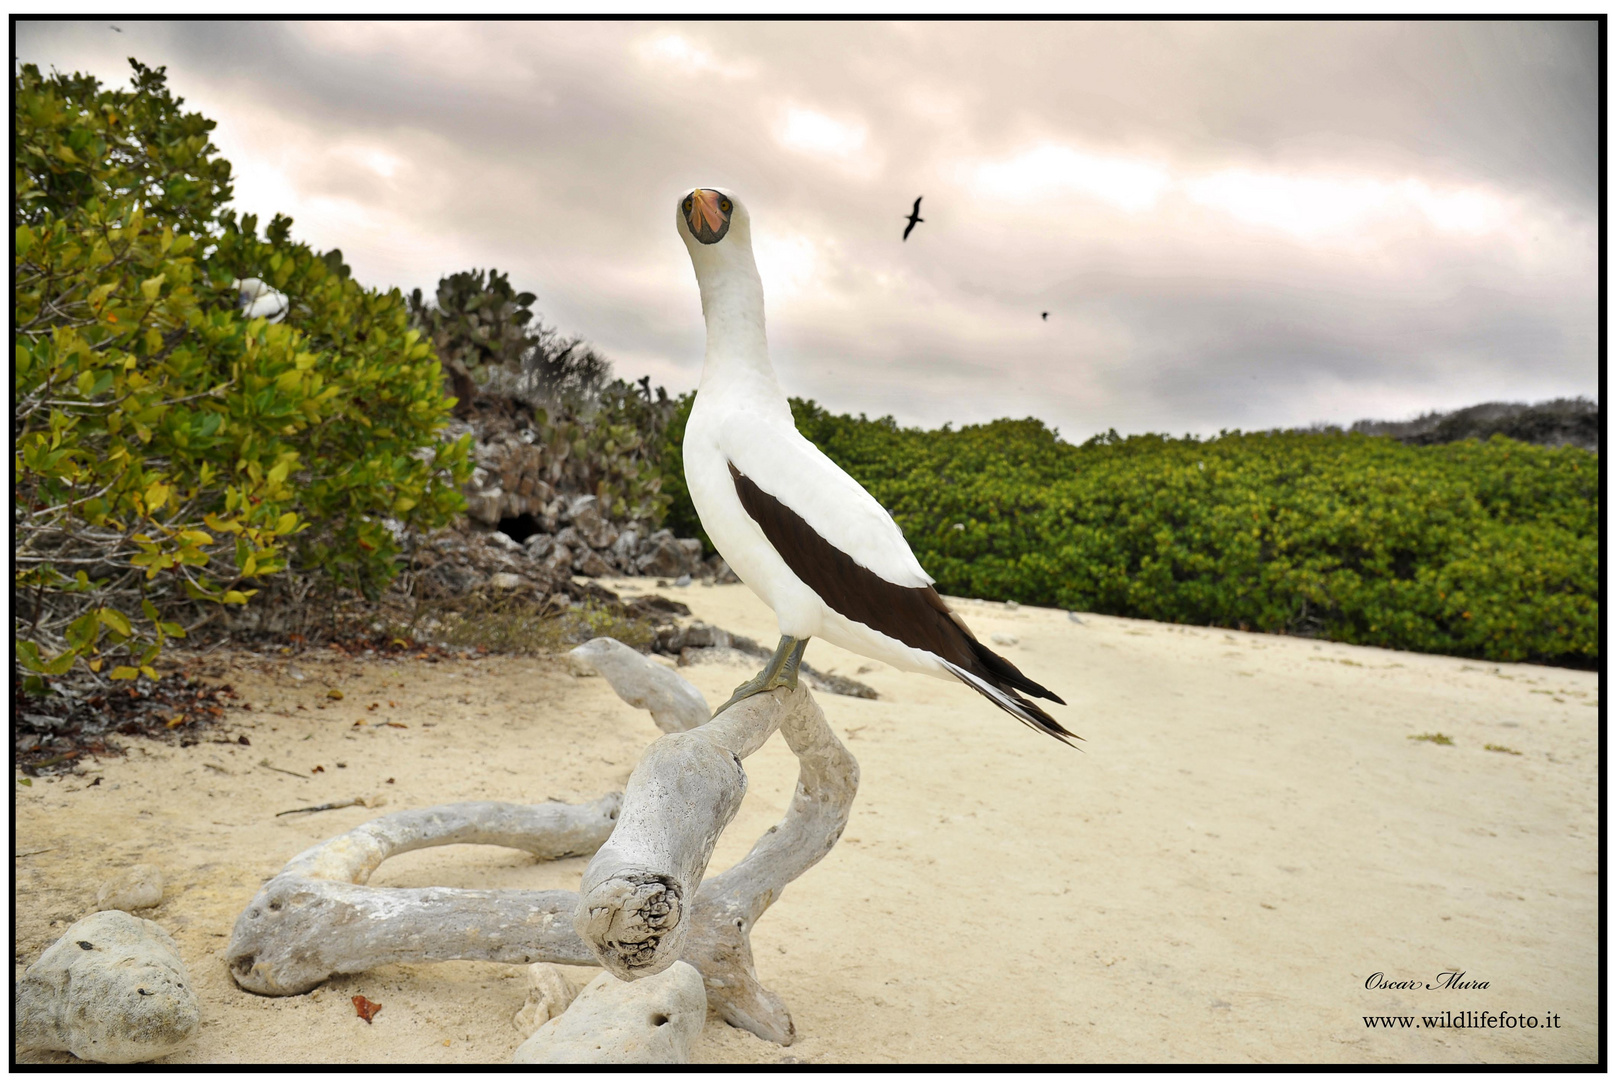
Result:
pixel 110 26
pixel 1045 316
pixel 805 537
pixel 913 218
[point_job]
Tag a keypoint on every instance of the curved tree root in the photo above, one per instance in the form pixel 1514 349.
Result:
pixel 642 904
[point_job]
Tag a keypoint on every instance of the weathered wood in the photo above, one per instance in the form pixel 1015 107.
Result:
pixel 679 798
pixel 318 917
pixel 639 888
pixel 674 703
pixel 642 906
pixel 730 902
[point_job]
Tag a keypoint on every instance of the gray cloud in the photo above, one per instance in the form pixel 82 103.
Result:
pixel 1233 224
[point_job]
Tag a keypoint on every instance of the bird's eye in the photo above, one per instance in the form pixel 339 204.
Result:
pixel 687 205
pixel 726 207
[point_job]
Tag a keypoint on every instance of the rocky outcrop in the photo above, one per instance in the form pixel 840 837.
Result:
pixel 567 532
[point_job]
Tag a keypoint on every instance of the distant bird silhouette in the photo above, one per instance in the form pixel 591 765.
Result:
pixel 1045 316
pixel 110 26
pixel 913 218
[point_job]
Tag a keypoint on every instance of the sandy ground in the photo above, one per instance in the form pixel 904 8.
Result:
pixel 1249 835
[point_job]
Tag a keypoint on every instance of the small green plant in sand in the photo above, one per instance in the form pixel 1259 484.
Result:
pixel 1435 737
pixel 1496 748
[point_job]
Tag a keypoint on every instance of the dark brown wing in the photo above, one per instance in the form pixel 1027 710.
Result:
pixel 914 616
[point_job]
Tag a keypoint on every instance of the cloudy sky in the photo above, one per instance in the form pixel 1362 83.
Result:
pixel 1231 224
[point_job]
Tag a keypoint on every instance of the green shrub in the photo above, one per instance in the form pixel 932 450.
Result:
pixel 169 453
pixel 479 327
pixel 1474 549
pixel 611 446
pixel 680 516
pixel 373 456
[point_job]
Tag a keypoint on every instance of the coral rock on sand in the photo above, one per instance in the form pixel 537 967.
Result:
pixel 141 886
pixel 550 995
pixel 112 989
pixel 651 1021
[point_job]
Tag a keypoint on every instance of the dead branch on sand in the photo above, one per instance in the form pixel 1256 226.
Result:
pixel 644 902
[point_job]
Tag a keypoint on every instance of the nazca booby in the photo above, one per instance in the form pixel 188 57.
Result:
pixel 804 536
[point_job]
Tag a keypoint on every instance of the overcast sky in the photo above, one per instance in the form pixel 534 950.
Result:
pixel 1231 224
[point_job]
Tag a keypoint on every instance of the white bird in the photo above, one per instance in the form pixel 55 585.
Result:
pixel 805 537
pixel 256 299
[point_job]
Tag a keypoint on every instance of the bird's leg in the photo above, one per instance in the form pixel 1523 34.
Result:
pixel 782 670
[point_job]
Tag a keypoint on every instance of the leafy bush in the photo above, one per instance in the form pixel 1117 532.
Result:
pixel 1473 549
pixel 611 446
pixel 169 453
pixel 680 517
pixel 478 326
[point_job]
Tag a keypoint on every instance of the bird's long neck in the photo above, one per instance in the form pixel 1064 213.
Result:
pixel 734 321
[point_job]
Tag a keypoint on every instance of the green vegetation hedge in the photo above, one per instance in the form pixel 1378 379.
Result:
pixel 170 454
pixel 1473 549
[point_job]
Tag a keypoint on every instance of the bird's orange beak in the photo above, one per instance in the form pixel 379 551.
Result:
pixel 705 216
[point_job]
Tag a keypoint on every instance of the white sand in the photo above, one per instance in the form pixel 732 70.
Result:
pixel 1248 836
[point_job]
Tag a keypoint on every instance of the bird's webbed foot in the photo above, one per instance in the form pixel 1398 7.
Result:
pixel 782 670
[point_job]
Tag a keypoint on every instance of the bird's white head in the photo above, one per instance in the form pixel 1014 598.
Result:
pixel 715 226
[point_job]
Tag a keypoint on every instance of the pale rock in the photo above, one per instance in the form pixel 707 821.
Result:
pixel 502 542
pixel 141 886
pixel 581 504
pixel 507 581
pixel 560 559
pixel 550 995
pixel 539 546
pixel 593 564
pixel 111 989
pixel 650 1021
pixel 586 516
pixel 625 545
pixel 665 557
pixel 1005 639
pixel 485 506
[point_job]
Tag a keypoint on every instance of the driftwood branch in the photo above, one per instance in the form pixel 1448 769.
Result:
pixel 642 904
pixel 318 917
pixel 674 703
pixel 680 797
pixel 639 889
pixel 731 902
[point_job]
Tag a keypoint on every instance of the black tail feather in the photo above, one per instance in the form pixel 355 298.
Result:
pixel 1012 702
pixel 999 671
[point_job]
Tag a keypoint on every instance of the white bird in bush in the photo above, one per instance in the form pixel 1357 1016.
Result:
pixel 256 299
pixel 794 527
